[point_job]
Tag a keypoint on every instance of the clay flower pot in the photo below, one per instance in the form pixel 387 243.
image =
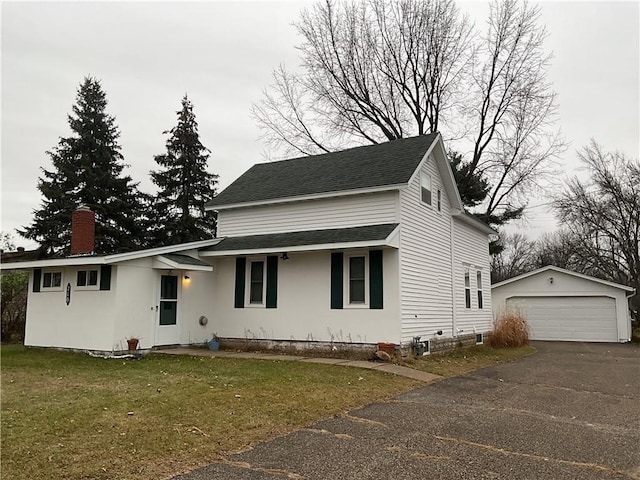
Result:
pixel 132 343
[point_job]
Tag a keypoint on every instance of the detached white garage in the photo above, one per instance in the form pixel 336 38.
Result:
pixel 566 306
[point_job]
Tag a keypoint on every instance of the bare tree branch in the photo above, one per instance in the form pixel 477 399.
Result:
pixel 378 70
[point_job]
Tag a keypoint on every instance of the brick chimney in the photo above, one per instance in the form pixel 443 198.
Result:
pixel 83 231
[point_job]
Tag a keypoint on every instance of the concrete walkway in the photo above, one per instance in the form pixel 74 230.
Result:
pixel 379 366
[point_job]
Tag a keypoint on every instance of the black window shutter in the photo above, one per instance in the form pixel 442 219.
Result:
pixel 337 261
pixel 105 277
pixel 272 282
pixel 375 279
pixel 37 275
pixel 241 265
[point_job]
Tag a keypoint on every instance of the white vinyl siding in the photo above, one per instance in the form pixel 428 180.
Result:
pixel 425 261
pixel 471 252
pixel 337 212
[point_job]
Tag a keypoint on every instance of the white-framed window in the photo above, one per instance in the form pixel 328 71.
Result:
pixel 467 288
pixel 256 282
pixel 479 288
pixel 52 280
pixel 357 280
pixel 87 278
pixel 439 200
pixel 425 188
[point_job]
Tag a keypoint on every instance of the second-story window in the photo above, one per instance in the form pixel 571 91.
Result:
pixel 425 188
pixel 479 287
pixel 467 289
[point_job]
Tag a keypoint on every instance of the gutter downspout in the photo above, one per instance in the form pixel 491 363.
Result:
pixel 628 315
pixel 453 279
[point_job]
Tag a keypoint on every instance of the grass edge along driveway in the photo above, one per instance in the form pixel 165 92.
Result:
pixel 68 415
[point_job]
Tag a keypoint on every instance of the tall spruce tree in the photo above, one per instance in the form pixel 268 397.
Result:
pixel 185 185
pixel 87 170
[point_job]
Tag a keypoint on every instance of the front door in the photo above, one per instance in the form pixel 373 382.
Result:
pixel 167 329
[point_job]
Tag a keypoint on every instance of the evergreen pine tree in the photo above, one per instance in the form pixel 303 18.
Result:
pixel 185 186
pixel 87 170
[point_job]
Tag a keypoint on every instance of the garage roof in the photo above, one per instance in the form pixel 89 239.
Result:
pixel 568 272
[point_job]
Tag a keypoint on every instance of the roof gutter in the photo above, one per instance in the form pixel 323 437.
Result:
pixel 390 241
pixel 300 198
pixel 474 222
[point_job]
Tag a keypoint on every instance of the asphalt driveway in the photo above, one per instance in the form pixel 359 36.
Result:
pixel 571 411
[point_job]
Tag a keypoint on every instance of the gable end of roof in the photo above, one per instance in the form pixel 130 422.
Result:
pixel 367 167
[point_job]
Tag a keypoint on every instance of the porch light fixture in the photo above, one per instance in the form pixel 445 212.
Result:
pixel 187 277
pixel 284 256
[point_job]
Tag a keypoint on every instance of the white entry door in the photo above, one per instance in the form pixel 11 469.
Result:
pixel 167 321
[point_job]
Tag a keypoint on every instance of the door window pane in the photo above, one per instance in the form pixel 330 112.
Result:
pixel 168 312
pixel 169 287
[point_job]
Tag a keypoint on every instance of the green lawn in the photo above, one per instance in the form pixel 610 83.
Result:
pixel 67 415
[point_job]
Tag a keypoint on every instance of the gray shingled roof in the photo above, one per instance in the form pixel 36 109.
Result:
pixel 184 259
pixel 389 163
pixel 312 237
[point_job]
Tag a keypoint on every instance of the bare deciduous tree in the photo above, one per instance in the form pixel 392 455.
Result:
pixel 381 70
pixel 603 214
pixel 559 249
pixel 515 258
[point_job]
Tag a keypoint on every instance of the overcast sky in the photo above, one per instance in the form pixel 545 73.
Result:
pixel 148 55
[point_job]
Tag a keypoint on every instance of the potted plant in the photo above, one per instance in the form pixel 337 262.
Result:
pixel 132 343
pixel 214 343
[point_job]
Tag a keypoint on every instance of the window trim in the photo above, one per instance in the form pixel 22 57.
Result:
pixel 479 290
pixel 426 178
pixel 51 288
pixel 347 283
pixel 247 300
pixel 88 286
pixel 467 288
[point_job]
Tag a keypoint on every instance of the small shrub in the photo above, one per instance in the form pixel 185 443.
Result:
pixel 509 330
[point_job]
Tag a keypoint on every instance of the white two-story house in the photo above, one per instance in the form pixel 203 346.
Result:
pixel 361 246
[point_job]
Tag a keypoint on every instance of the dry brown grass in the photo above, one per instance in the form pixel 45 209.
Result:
pixel 68 415
pixel 510 329
pixel 466 359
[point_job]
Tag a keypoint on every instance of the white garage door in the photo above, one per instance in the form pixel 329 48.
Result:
pixel 580 319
